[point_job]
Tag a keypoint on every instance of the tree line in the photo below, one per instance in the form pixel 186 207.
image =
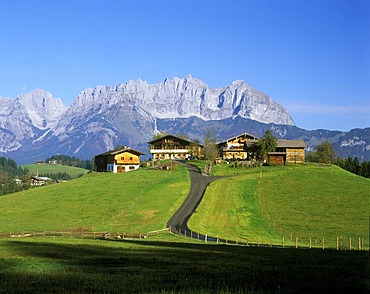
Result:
pixel 71 161
pixel 9 172
pixel 326 154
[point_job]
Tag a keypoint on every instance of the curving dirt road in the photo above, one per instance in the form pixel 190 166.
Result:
pixel 199 183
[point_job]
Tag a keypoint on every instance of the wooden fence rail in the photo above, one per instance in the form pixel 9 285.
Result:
pixel 81 234
pixel 339 243
pixel 324 243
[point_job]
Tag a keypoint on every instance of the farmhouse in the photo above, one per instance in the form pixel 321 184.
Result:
pixel 118 161
pixel 172 147
pixel 40 181
pixel 241 147
pixel 244 147
pixel 292 151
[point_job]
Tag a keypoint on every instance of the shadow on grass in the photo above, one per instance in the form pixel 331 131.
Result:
pixel 141 266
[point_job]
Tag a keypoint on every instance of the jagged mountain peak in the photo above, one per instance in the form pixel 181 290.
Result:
pixel 186 97
pixel 42 108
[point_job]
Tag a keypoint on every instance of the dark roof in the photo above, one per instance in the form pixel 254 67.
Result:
pixel 115 152
pixel 291 143
pixel 235 137
pixel 172 136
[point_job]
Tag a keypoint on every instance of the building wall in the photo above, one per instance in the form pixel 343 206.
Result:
pixel 173 148
pixel 295 155
pixel 127 158
pixel 277 159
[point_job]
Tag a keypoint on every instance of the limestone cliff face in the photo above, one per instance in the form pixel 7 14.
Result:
pixel 187 97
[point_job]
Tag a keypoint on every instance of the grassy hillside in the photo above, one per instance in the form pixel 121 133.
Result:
pixel 74 172
pixel 138 201
pixel 266 204
pixel 256 204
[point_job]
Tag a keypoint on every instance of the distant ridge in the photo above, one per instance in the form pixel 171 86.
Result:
pixel 36 125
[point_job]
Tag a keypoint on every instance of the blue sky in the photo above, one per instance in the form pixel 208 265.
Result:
pixel 313 57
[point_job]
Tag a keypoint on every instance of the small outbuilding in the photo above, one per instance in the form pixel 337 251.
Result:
pixel 118 161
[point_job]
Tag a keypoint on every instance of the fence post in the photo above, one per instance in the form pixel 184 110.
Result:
pixel 310 243
pixel 359 243
pixel 283 242
pixel 323 243
pixel 205 238
pixel 296 242
pixel 217 239
pixel 337 242
pixel 350 243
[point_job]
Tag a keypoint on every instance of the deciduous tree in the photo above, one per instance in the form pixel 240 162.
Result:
pixel 266 144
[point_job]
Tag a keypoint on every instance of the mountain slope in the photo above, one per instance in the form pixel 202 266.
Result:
pixel 27 117
pixel 36 125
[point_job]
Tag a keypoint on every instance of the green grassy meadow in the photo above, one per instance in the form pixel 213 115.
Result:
pixel 138 201
pixel 258 205
pixel 264 205
pixel 65 265
pixel 74 172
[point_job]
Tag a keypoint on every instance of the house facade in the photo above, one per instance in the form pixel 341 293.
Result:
pixel 244 147
pixel 118 161
pixel 241 147
pixel 294 150
pixel 173 147
pixel 40 181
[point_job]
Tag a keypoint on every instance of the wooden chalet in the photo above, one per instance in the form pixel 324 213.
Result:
pixel 172 147
pixel 292 151
pixel 243 147
pixel 118 161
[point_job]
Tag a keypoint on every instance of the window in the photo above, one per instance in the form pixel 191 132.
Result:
pixel 122 158
pixel 130 158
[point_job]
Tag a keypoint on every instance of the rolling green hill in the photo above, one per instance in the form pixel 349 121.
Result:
pixel 74 172
pixel 138 201
pixel 298 201
pixel 260 204
pixel 256 205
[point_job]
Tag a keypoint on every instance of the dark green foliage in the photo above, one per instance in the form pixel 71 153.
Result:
pixel 59 176
pixel 8 172
pixel 325 153
pixel 354 166
pixel 266 144
pixel 71 161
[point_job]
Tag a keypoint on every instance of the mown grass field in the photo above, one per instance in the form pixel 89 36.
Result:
pixel 135 202
pixel 57 265
pixel 74 172
pixel 297 201
pixel 261 204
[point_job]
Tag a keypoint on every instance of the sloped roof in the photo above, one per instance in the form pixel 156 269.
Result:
pixel 172 136
pixel 238 136
pixel 291 143
pixel 115 152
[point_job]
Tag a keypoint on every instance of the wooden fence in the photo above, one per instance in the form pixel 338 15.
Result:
pixel 324 243
pixel 339 243
pixel 81 234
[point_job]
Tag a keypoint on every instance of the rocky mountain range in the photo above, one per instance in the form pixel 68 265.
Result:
pixel 34 126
